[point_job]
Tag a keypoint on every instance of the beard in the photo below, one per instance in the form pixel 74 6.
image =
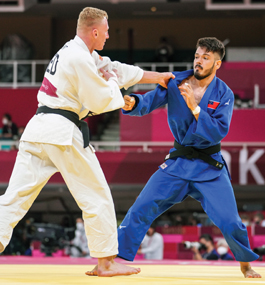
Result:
pixel 203 76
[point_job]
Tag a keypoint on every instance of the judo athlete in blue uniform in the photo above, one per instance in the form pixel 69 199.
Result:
pixel 200 107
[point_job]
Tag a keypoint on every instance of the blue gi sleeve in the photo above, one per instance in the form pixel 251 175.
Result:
pixel 148 101
pixel 214 127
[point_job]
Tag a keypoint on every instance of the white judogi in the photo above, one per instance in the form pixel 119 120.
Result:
pixel 52 143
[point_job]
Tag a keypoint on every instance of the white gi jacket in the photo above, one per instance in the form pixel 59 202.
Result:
pixel 73 82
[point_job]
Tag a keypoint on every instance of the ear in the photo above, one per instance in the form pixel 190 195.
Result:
pixel 218 64
pixel 95 33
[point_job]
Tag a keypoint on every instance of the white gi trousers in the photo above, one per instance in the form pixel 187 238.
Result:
pixel 80 169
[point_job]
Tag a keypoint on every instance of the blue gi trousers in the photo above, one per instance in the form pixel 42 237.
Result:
pixel 162 191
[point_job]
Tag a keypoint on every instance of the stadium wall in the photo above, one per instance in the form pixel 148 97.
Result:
pixel 49 34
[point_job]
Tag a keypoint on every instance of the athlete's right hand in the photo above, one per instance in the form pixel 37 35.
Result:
pixel 165 77
pixel 106 74
pixel 129 102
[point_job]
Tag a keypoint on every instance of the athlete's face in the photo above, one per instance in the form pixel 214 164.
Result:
pixel 205 63
pixel 102 34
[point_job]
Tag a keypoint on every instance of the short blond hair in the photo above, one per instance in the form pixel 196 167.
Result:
pixel 89 16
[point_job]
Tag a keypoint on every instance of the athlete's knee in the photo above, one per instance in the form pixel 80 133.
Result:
pixel 142 204
pixel 141 215
pixel 148 209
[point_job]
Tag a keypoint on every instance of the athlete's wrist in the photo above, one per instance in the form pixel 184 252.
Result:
pixel 196 110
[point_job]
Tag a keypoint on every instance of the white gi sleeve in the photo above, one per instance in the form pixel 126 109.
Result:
pixel 128 75
pixel 94 92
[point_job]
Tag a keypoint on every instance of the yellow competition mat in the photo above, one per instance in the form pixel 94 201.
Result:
pixel 14 274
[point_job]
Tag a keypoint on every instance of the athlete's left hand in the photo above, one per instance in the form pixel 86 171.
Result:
pixel 187 92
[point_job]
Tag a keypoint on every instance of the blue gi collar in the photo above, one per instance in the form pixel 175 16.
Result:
pixel 205 99
pixel 182 75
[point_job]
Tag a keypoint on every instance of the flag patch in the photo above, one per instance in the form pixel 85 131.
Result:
pixel 213 104
pixel 163 165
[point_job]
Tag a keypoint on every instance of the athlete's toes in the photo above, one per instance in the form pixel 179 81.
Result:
pixel 253 275
pixel 91 273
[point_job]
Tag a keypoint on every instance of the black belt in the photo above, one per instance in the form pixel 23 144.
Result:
pixel 72 116
pixel 192 152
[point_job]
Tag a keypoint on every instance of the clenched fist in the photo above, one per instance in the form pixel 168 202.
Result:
pixel 129 102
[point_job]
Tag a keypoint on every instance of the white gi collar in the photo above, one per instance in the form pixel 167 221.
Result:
pixel 80 42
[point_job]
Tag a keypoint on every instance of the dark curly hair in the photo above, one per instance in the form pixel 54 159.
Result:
pixel 213 45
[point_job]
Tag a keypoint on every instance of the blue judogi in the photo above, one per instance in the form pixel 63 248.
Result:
pixel 180 177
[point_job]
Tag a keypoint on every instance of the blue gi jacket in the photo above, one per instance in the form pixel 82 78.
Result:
pixel 211 127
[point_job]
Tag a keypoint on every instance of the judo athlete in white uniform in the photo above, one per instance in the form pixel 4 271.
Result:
pixel 52 141
pixel 200 107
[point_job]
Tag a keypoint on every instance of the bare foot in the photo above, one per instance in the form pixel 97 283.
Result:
pixel 248 271
pixel 93 272
pixel 107 267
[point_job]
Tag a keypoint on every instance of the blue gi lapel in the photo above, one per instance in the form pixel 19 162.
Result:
pixel 190 138
pixel 205 99
pixel 174 93
pixel 179 115
pixel 182 75
pixel 179 112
